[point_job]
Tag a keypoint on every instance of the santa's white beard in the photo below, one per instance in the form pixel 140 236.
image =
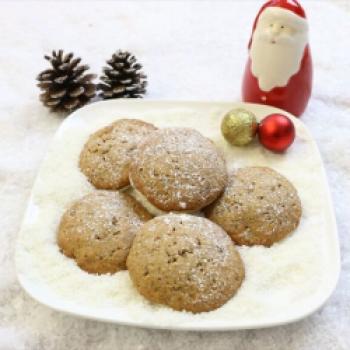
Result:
pixel 273 64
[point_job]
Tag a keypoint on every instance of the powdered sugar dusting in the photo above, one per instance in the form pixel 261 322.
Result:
pixel 258 206
pixel 98 229
pixel 178 169
pixel 107 154
pixel 188 258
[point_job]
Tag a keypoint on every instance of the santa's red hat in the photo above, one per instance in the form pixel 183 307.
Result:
pixel 290 5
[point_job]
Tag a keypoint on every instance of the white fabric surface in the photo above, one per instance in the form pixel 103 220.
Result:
pixel 190 50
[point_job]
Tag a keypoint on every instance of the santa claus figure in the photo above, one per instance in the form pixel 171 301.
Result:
pixel 279 68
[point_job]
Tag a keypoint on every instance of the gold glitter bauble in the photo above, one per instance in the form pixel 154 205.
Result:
pixel 239 126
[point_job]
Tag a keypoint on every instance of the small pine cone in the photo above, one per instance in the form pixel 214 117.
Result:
pixel 123 78
pixel 65 86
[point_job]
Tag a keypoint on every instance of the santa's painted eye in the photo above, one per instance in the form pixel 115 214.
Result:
pixel 282 27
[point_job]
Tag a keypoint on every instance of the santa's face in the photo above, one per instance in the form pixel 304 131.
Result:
pixel 277 48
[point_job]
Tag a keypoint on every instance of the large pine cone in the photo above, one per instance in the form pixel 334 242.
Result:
pixel 65 86
pixel 123 77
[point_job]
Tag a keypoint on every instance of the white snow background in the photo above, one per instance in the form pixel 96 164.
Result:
pixel 192 51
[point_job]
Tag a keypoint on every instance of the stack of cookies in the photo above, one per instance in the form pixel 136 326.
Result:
pixel 178 258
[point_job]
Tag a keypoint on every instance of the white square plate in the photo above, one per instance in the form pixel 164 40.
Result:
pixel 284 283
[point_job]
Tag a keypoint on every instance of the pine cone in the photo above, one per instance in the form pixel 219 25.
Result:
pixel 123 78
pixel 65 86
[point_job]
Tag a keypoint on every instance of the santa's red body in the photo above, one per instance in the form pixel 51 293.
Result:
pixel 295 95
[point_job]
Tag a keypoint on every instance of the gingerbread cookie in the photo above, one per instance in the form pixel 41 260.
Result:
pixel 178 169
pixel 259 206
pixel 97 230
pixel 106 156
pixel 185 262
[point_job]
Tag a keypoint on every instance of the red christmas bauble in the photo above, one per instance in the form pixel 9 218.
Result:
pixel 276 132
